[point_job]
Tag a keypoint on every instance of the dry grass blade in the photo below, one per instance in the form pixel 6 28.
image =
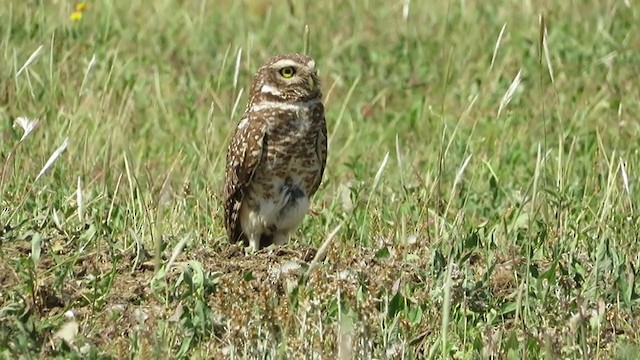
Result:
pixel 236 71
pixel 305 40
pixel 506 99
pixel 343 109
pixel 90 66
pixel 400 165
pixel 376 179
pixel 497 46
pixel 52 159
pixel 30 60
pixel 625 182
pixel 545 47
pixel 322 251
pixel 405 9
pixel 79 201
pixel 236 103
pixel 177 250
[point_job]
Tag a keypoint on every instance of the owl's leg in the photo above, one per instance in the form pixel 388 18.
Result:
pixel 254 242
pixel 252 225
pixel 260 241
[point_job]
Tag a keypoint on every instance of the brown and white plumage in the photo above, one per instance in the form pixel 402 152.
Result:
pixel 277 155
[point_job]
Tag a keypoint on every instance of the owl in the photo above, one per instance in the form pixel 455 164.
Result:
pixel 277 155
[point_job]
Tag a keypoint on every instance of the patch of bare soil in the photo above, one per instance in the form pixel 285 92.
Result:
pixel 232 258
pixel 105 295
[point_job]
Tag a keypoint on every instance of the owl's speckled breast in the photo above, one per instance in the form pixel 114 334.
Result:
pixel 290 154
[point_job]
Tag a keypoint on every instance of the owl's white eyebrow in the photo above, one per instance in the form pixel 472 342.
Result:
pixel 268 105
pixel 266 88
pixel 285 62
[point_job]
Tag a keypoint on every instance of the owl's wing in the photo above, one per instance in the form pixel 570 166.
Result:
pixel 243 156
pixel 321 152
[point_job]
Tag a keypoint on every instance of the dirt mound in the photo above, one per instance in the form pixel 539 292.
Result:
pixel 243 303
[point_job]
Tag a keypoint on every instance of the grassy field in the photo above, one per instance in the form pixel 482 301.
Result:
pixel 480 198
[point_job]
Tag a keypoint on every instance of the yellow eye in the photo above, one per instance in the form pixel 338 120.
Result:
pixel 287 72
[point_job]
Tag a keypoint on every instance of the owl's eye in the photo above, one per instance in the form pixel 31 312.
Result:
pixel 287 72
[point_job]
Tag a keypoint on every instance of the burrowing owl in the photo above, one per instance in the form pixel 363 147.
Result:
pixel 277 155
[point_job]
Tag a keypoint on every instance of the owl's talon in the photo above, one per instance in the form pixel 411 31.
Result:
pixel 249 250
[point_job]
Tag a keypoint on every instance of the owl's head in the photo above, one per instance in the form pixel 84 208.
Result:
pixel 290 78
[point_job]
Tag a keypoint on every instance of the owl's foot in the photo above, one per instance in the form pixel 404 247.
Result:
pixel 250 250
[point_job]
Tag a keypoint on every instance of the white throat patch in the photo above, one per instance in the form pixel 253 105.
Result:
pixel 268 105
pixel 266 88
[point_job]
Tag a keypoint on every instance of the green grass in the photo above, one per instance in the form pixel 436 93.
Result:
pixel 463 232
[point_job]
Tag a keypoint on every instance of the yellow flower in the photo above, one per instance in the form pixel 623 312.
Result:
pixel 80 7
pixel 75 16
